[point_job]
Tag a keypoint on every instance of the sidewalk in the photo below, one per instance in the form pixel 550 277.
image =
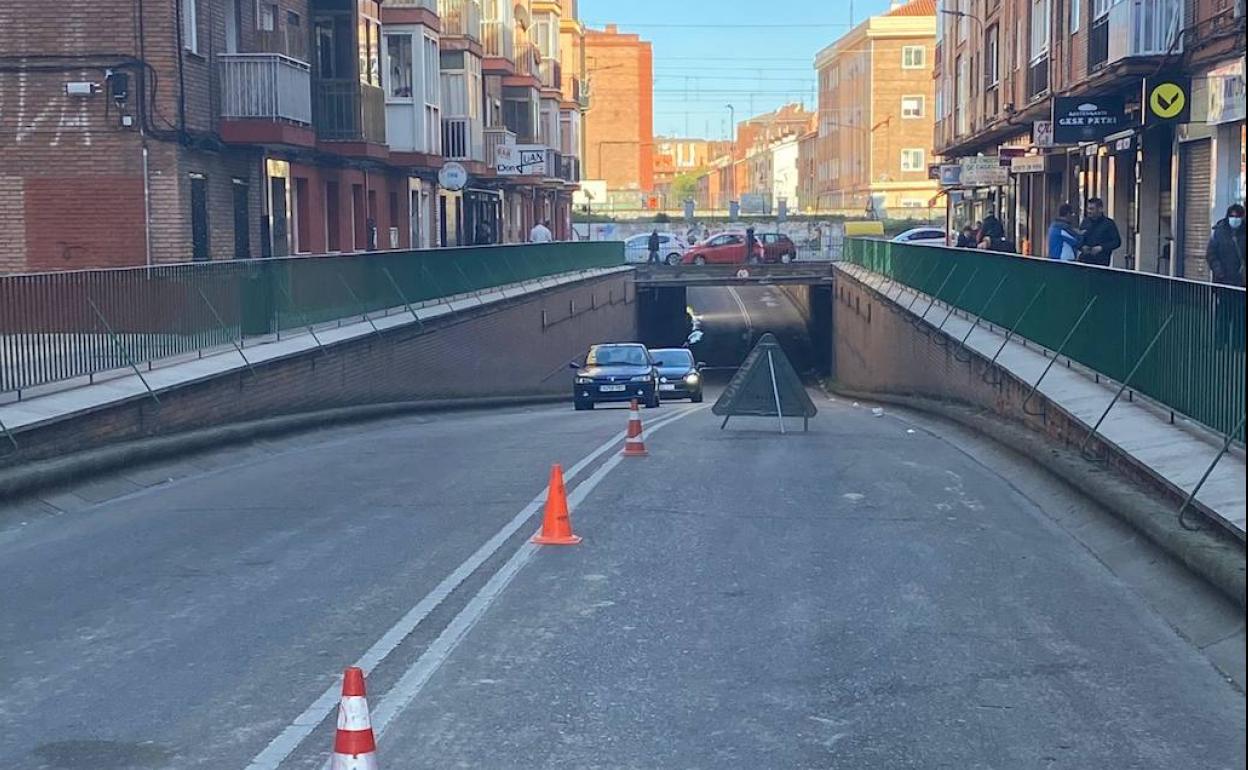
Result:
pixel 124 385
pixel 1178 454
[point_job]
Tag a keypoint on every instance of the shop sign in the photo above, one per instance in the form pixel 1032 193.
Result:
pixel 452 176
pixel 1226 93
pixel 950 175
pixel 1122 144
pixel 1042 133
pixel 1087 119
pixel 520 159
pixel 1167 100
pixel 984 171
pixel 1027 164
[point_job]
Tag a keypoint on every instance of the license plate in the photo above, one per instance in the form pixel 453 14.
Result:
pixel 667 387
pixel 613 388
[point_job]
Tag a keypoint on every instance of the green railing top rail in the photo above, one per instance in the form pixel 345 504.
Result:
pixel 63 326
pixel 1181 343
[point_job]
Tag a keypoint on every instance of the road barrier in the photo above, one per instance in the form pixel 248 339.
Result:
pixel 61 326
pixel 1175 341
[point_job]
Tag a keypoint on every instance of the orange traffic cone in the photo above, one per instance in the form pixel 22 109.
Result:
pixel 556 526
pixel 634 446
pixel 355 748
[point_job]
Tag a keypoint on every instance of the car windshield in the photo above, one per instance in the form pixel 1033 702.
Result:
pixel 617 355
pixel 672 358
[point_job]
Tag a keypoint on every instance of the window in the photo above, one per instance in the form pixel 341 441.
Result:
pixel 913 160
pixel 1076 12
pixel 266 17
pixel 992 57
pixel 1039 28
pixel 190 25
pixel 296 42
pixel 913 106
pixel 1100 8
pixel 961 117
pixel 433 100
pixel 913 57
pixel 199 218
pixel 399 57
pixel 1018 46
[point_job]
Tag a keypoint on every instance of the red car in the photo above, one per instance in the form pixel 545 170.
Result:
pixel 727 248
pixel 778 247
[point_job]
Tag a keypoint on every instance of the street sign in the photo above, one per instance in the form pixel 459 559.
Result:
pixel 766 385
pixel 1087 119
pixel 452 176
pixel 1042 133
pixel 984 171
pixel 1167 100
pixel 1027 164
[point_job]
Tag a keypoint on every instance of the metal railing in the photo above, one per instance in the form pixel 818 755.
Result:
pixel 460 140
pixel 265 86
pixel 551 75
pixel 350 111
pixel 460 18
pixel 494 137
pixel 528 60
pixel 56 327
pixel 498 39
pixel 1178 342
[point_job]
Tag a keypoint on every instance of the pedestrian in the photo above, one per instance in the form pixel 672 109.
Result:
pixel 1100 235
pixel 992 233
pixel 652 245
pixel 485 234
pixel 1063 238
pixel 749 243
pixel 1226 248
pixel 966 238
pixel 541 233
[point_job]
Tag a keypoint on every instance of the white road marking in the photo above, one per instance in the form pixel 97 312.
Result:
pixel 745 313
pixel 414 679
pixel 289 739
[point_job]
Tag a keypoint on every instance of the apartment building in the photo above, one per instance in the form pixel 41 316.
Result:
pixel 1010 72
pixel 620 122
pixel 876 114
pixel 808 172
pixel 225 129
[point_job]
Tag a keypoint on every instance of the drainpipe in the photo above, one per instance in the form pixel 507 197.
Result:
pixel 147 198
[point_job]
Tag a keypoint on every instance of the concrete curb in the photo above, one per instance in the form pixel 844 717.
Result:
pixel 33 477
pixel 1209 553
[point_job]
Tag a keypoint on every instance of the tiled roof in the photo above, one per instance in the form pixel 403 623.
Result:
pixel 915 8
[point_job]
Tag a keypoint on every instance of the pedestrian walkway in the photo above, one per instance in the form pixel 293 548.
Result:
pixel 126 385
pixel 1177 453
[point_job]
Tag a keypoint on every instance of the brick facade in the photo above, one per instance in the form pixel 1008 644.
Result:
pixel 620 121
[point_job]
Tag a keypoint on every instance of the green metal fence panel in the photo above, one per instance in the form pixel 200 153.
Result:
pixel 63 326
pixel 1196 330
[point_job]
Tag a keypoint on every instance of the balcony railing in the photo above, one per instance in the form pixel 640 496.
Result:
pixel 431 5
pixel 1135 28
pixel 265 86
pixel 498 38
pixel 1038 78
pixel 580 93
pixel 350 111
pixel 460 140
pixel 460 18
pixel 551 74
pixel 526 57
pixel 495 136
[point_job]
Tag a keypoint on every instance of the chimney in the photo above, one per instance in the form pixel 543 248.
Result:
pixel 612 29
pixel 894 5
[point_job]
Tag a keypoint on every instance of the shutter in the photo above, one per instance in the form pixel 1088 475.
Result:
pixel 1196 165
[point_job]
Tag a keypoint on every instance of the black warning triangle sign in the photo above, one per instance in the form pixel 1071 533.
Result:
pixel 766 385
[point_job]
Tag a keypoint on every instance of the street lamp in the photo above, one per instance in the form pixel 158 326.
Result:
pixel 965 15
pixel 732 167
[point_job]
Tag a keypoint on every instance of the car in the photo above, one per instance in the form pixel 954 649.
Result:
pixel 727 248
pixel 778 247
pixel 614 372
pixel 923 236
pixel 680 376
pixel 671 247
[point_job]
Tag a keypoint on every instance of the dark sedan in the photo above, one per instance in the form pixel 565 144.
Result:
pixel 679 375
pixel 616 372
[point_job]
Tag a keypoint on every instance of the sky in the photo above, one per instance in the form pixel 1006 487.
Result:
pixel 697 73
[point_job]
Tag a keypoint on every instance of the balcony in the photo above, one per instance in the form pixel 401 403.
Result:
pixel 551 74
pixel 498 39
pixel 1038 78
pixel 265 86
pixel 429 5
pixel 528 61
pixel 1135 28
pixel 580 93
pixel 460 18
pixel 460 140
pixel 570 169
pixel 496 136
pixel 350 111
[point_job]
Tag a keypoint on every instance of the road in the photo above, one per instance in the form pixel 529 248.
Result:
pixel 735 317
pixel 864 595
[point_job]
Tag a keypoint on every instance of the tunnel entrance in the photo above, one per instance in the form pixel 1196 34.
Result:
pixel 727 321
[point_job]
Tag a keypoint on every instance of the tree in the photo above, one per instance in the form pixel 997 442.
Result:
pixel 685 186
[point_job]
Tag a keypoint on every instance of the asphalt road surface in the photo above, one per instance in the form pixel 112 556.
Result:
pixel 734 318
pixel 864 595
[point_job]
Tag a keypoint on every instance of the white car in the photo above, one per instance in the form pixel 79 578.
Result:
pixel 923 236
pixel 671 248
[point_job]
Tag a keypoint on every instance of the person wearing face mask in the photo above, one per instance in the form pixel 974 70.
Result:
pixel 1226 248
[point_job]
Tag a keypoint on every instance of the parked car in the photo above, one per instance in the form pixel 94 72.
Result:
pixel 923 236
pixel 615 372
pixel 778 247
pixel 679 375
pixel 671 246
pixel 727 248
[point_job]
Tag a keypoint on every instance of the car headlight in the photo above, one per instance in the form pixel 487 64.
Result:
pixel 641 378
pixel 584 381
pixel 691 379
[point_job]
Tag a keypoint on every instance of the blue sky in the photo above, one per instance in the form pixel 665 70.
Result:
pixel 698 69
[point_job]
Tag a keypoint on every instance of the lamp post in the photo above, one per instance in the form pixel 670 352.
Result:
pixel 732 167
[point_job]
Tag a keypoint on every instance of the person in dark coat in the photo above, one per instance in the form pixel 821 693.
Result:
pixel 992 233
pixel 653 246
pixel 750 240
pixel 1226 248
pixel 966 238
pixel 1100 235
